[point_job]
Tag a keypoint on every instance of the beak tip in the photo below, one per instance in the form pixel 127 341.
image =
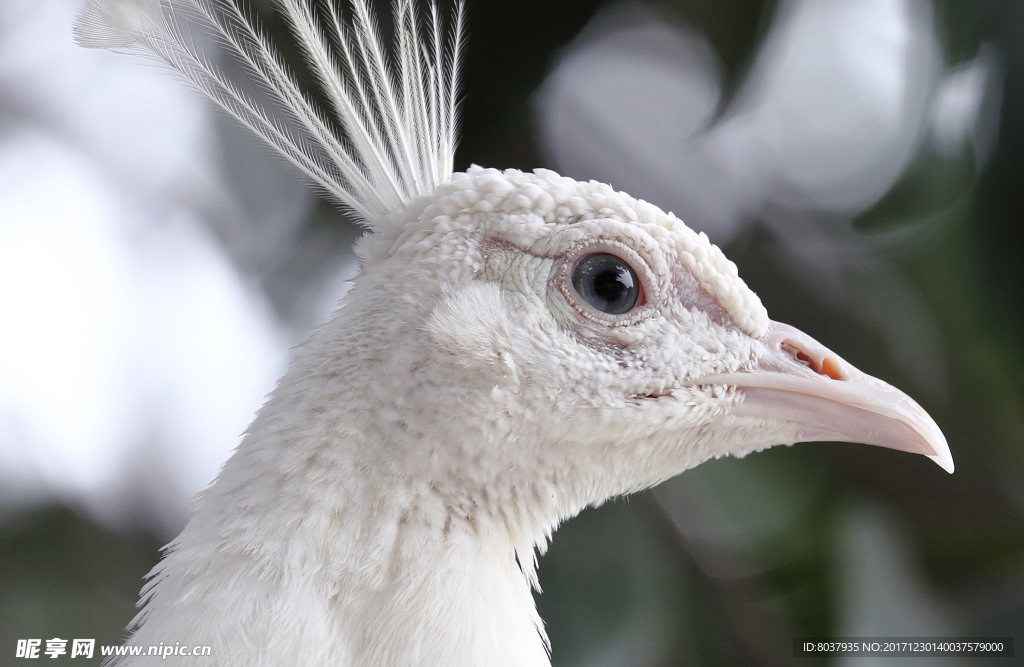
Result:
pixel 933 436
pixel 944 460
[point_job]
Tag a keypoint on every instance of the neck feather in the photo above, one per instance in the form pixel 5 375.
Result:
pixel 305 552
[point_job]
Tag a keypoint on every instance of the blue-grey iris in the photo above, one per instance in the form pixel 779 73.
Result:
pixel 607 283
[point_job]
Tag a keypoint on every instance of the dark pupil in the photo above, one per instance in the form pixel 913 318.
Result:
pixel 607 283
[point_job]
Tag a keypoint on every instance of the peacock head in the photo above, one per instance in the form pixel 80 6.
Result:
pixel 584 344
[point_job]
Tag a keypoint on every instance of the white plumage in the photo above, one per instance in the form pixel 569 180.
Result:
pixel 517 347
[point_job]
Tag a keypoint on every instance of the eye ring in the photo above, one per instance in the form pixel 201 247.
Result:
pixel 638 270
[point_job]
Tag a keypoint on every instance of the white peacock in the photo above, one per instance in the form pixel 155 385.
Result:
pixel 517 347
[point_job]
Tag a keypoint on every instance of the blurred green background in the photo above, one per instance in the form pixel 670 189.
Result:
pixel 728 562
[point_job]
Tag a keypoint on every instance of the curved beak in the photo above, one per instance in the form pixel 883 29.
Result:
pixel 799 380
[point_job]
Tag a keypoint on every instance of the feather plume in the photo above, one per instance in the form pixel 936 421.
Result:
pixel 398 115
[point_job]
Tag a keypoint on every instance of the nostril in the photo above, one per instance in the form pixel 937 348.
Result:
pixel 827 366
pixel 803 358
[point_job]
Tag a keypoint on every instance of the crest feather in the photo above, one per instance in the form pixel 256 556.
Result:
pixel 398 115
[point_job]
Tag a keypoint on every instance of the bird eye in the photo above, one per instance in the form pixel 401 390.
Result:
pixel 607 283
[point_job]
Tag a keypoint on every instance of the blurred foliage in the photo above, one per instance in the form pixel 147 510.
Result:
pixel 64 576
pixel 725 564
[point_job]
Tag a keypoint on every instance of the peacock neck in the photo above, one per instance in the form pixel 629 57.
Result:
pixel 369 564
pixel 383 535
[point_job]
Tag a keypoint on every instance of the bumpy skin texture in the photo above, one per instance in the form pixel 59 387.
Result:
pixel 440 426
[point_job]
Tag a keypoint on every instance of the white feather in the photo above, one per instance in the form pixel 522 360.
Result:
pixel 398 119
